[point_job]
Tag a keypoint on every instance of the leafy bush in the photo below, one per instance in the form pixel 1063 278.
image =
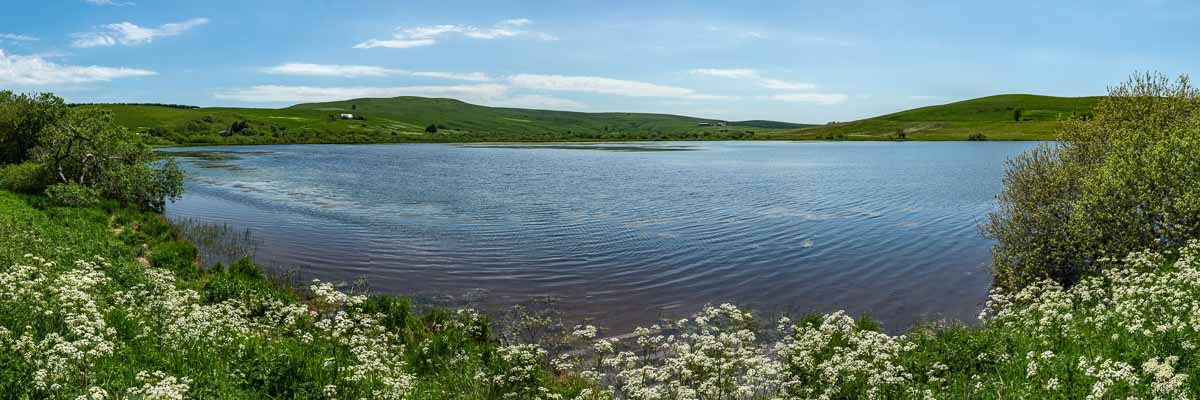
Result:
pixel 72 195
pixel 179 257
pixel 976 137
pixel 1125 180
pixel 26 177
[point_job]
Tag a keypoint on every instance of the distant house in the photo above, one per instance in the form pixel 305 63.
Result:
pixel 722 123
pixel 703 124
pixel 347 116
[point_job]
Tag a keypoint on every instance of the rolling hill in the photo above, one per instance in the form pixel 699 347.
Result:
pixel 991 116
pixel 405 119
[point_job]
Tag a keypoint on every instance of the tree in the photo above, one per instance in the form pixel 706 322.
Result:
pixel 22 119
pixel 1126 179
pixel 432 128
pixel 86 148
pixel 1017 114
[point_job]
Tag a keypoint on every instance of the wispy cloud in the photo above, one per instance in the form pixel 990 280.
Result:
pixel 737 73
pixel 37 71
pixel 539 101
pixel 357 71
pixel 127 33
pixel 748 73
pixel 16 37
pixel 428 35
pixel 470 76
pixel 108 3
pixel 344 71
pixel 594 84
pixel 824 99
pixel 281 94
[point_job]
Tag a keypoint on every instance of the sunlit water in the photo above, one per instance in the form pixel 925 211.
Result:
pixel 624 233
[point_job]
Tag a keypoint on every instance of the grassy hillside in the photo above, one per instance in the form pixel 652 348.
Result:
pixel 404 119
pixel 992 116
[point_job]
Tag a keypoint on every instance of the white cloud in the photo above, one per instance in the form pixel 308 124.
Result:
pixel 785 85
pixel 514 22
pixel 748 73
pixel 127 33
pixel 540 102
pixel 824 99
pixel 593 84
pixel 20 38
pixel 394 44
pixel 428 34
pixel 108 3
pixel 471 76
pixel 737 73
pixel 281 94
pixel 345 71
pixel 356 71
pixel 35 71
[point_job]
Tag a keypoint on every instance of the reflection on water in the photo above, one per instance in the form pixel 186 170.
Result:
pixel 623 236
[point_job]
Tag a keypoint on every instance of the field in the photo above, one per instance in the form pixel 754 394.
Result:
pixel 991 116
pixel 406 119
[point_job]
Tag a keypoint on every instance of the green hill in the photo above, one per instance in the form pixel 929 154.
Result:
pixel 404 119
pixel 991 116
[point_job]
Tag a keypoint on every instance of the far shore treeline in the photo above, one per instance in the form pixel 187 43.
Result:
pixel 1096 290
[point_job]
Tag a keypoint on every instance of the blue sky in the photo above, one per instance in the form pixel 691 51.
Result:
pixel 799 61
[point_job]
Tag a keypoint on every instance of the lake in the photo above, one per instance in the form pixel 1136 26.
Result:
pixel 623 233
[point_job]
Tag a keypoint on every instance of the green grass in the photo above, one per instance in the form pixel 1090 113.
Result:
pixel 403 119
pixel 991 116
pixel 139 304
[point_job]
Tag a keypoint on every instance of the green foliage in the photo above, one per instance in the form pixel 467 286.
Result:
pixel 22 118
pixel 86 148
pixel 976 137
pixel 432 128
pixel 1127 179
pixel 25 177
pixel 1017 114
pixel 72 195
pixel 179 257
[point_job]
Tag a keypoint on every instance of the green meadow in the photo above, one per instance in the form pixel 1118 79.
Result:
pixel 418 119
pixel 993 117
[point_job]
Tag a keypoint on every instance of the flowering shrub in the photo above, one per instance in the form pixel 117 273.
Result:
pixel 75 325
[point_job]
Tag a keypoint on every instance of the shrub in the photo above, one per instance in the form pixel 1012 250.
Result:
pixel 72 195
pixel 976 137
pixel 179 257
pixel 1126 180
pixel 26 177
pixel 86 147
pixel 432 128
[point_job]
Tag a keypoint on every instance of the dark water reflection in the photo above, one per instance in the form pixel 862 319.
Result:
pixel 624 235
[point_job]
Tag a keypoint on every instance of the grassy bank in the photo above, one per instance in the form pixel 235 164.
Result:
pixel 109 303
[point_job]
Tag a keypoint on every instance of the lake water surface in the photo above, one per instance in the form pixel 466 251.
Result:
pixel 624 233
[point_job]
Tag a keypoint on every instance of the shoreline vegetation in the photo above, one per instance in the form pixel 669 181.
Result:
pixel 433 120
pixel 1097 296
